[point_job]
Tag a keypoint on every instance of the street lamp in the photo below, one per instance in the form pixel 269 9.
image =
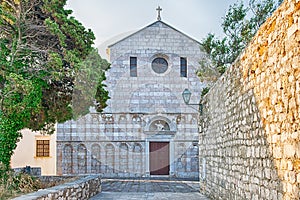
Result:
pixel 186 95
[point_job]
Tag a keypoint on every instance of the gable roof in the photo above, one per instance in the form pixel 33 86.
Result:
pixel 156 22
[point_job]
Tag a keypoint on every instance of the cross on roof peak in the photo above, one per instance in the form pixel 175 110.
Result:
pixel 159 9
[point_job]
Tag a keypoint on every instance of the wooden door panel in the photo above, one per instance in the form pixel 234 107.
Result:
pixel 159 158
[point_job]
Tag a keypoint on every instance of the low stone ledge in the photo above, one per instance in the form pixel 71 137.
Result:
pixel 83 188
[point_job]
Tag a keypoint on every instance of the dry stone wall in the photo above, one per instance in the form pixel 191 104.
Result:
pixel 250 126
pixel 83 188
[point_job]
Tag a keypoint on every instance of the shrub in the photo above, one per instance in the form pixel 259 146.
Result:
pixel 12 184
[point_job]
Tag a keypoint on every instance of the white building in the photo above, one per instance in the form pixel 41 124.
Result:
pixel 37 151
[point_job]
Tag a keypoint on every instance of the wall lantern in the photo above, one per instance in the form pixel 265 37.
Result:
pixel 186 95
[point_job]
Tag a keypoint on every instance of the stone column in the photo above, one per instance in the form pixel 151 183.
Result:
pixel 147 165
pixel 172 158
pixel 89 158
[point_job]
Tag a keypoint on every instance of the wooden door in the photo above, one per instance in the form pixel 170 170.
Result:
pixel 159 158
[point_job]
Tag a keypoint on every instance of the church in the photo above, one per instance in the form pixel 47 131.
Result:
pixel 146 129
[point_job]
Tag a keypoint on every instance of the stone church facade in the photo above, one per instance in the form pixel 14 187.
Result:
pixel 147 129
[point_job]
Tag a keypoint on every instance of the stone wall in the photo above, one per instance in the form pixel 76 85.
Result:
pixel 83 188
pixel 250 126
pixel 34 171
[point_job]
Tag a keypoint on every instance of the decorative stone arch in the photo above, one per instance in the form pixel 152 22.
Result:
pixel 107 118
pixel 122 119
pixel 136 119
pixel 137 147
pixel 96 158
pixel 82 159
pixel 182 157
pixel 160 124
pixel 67 159
pixel 123 157
pixel 159 55
pixel 95 118
pixel 137 157
pixel 193 153
pixel 182 119
pixel 110 158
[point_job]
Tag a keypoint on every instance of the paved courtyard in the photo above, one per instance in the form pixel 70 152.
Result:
pixel 150 189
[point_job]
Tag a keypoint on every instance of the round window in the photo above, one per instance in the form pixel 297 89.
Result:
pixel 159 65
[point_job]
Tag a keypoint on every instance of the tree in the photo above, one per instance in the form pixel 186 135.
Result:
pixel 43 49
pixel 239 26
pixel 89 89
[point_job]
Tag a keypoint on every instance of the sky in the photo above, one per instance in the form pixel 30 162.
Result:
pixel 111 20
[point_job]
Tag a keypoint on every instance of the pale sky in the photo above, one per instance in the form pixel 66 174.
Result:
pixel 111 18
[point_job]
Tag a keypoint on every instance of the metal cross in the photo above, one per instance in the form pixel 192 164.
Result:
pixel 159 9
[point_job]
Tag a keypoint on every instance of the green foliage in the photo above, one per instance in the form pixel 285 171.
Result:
pixel 204 91
pixel 217 50
pixel 89 89
pixel 42 51
pixel 261 10
pixel 237 30
pixel 101 94
pixel 20 98
pixel 239 25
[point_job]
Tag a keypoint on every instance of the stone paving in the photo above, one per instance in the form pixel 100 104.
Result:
pixel 150 189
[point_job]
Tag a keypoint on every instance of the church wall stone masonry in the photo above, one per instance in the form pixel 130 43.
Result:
pixel 146 129
pixel 250 130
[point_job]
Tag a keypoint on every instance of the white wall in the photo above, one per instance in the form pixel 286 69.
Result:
pixel 25 153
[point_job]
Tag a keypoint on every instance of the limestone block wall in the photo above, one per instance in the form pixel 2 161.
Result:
pixel 83 188
pixel 249 134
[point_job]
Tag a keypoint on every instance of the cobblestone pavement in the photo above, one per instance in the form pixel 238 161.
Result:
pixel 150 189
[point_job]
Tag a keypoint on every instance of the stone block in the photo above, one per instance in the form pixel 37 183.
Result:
pixel 267 173
pixel 277 152
pixel 289 150
pixel 290 165
pixel 291 30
